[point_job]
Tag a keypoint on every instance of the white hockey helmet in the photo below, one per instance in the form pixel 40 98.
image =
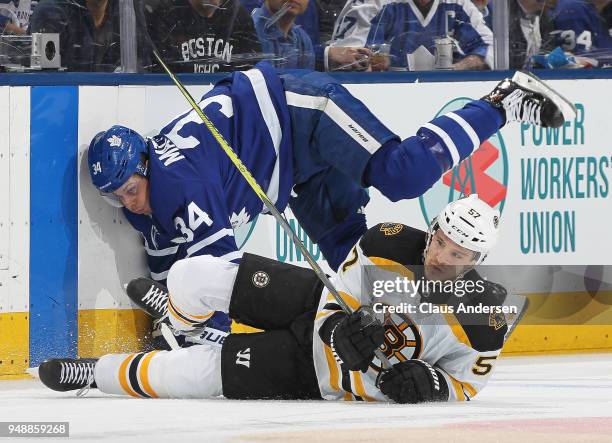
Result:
pixel 469 222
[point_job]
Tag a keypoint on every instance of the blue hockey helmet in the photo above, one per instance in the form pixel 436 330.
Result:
pixel 114 155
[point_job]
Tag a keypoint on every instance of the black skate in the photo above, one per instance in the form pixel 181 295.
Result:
pixel 526 98
pixel 149 295
pixel 67 374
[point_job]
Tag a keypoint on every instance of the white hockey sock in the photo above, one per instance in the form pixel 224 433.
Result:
pixel 193 372
pixel 199 286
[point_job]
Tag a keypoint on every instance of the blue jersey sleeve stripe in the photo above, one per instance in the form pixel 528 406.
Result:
pixel 161 252
pixel 268 112
pixel 338 116
pixel 446 140
pixel 471 133
pixel 209 240
pixel 461 140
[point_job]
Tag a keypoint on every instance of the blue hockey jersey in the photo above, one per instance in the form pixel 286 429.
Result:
pixel 579 28
pixel 196 194
pixel 401 24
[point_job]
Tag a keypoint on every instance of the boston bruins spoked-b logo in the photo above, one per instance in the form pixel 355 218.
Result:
pixel 260 279
pixel 402 340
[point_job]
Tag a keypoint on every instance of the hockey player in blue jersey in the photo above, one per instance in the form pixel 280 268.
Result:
pixel 308 143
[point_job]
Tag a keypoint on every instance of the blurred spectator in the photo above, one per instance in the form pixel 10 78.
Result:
pixel 581 27
pixel 289 44
pixel 530 30
pixel 89 33
pixel 486 9
pixel 320 18
pixel 406 26
pixel 203 36
pixel 15 16
pixel 318 22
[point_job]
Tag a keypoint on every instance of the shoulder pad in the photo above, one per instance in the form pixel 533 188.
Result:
pixel 485 331
pixel 394 241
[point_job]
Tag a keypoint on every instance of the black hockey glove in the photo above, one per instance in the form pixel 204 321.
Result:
pixel 355 338
pixel 413 381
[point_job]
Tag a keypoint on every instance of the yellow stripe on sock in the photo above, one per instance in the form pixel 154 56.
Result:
pixel 144 374
pixel 123 380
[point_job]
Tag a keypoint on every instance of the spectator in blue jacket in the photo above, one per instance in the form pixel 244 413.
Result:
pixel 286 44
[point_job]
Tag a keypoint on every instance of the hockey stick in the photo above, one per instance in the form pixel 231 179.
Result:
pixel 264 198
pixel 257 188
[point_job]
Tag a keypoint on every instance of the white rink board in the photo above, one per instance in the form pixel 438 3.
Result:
pixel 109 254
pixel 14 198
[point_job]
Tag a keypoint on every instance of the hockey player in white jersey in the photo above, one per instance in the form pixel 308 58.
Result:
pixel 309 348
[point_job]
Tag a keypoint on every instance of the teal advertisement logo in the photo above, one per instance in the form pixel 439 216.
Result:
pixel 244 232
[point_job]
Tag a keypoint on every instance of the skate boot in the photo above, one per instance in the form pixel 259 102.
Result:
pixel 525 98
pixel 149 295
pixel 67 374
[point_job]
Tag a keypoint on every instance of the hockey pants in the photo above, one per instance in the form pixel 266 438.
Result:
pixel 340 148
pixel 279 298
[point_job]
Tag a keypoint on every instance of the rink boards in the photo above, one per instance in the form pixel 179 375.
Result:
pixel 65 256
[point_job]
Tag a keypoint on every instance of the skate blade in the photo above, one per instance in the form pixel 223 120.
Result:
pixel 533 83
pixel 33 372
pixel 169 337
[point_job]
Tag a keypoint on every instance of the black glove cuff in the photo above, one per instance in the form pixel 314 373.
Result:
pixel 328 326
pixel 333 347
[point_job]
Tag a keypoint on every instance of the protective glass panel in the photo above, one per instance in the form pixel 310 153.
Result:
pixel 86 34
pixel 207 36
pixel 415 35
pixel 557 34
pixel 202 36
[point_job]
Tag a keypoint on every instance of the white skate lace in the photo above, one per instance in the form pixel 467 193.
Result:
pixel 522 108
pixel 77 373
pixel 85 389
pixel 157 299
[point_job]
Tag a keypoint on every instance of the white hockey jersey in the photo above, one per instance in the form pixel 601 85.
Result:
pixel 462 346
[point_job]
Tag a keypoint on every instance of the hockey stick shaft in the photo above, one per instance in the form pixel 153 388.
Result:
pixel 263 196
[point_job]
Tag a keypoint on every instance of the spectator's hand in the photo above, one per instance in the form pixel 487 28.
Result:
pixel 471 63
pixel 14 29
pixel 380 62
pixel 348 59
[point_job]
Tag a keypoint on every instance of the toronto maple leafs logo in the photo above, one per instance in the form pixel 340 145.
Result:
pixel 242 218
pixel 114 141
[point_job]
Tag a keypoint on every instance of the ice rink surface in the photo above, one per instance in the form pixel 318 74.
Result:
pixel 544 399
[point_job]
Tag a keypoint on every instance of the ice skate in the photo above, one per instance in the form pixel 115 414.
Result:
pixel 67 374
pixel 149 295
pixel 525 98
